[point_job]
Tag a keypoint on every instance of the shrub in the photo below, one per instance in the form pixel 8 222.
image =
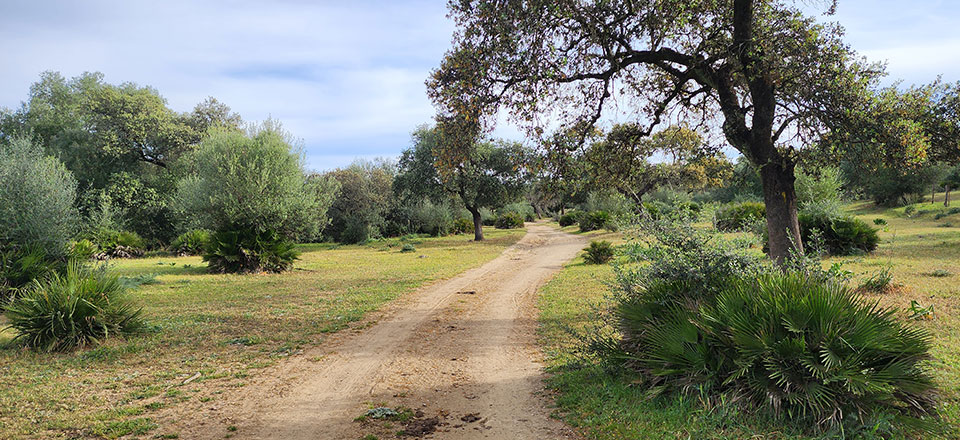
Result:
pixel 20 266
pixel 191 243
pixel 839 236
pixel 509 220
pixel 524 209
pixel 253 182
pixel 83 250
pixel 595 220
pixel 37 214
pixel 408 248
pixel 786 344
pixel 940 273
pixel 118 244
pixel 599 252
pixel 37 195
pixel 569 218
pixel 879 282
pixel 736 216
pixel 79 308
pixel 879 222
pixel 427 217
pixel 462 226
pixel 248 251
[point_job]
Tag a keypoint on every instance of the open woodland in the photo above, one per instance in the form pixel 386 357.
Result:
pixel 764 244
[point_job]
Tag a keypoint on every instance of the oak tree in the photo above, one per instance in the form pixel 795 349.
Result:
pixel 770 78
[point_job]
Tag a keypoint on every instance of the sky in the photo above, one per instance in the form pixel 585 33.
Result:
pixel 347 77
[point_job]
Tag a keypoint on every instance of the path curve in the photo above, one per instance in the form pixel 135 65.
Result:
pixel 443 352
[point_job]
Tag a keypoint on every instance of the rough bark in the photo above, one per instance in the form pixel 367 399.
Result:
pixel 477 223
pixel 946 196
pixel 780 199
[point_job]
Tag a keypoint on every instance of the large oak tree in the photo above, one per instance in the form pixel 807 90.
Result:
pixel 772 80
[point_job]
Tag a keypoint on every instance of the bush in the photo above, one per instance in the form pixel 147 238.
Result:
pixel 118 244
pixel 37 215
pixel 785 344
pixel 879 282
pixel 595 220
pixel 193 242
pixel 79 308
pixel 408 248
pixel 83 250
pixel 509 220
pixel 524 209
pixel 253 182
pixel 37 195
pixel 569 218
pixel 429 218
pixel 838 236
pixel 462 226
pixel 249 251
pixel 736 216
pixel 599 252
pixel 20 266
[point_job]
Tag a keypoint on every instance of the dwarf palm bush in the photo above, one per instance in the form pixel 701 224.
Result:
pixel 794 346
pixel 77 308
pixel 599 252
pixel 249 251
pixel 191 242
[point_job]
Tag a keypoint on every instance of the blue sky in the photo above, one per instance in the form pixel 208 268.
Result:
pixel 345 76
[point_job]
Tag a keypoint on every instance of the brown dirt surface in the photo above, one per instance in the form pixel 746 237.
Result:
pixel 466 365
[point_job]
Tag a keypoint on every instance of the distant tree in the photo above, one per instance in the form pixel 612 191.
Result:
pixel 359 211
pixel 770 77
pixel 950 182
pixel 484 175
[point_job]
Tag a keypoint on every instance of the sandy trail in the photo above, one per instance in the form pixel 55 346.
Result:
pixel 442 351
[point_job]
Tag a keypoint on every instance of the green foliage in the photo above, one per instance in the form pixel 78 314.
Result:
pixel 118 244
pixel 736 216
pixel 37 196
pixel 879 222
pixel 253 182
pixel 509 220
pixel 839 236
pixel 249 251
pixel 79 308
pixel 427 217
pixel 408 248
pixel 462 226
pixel 360 209
pixel 83 250
pixel 524 209
pixel 599 252
pixel 879 282
pixel 570 218
pixel 20 266
pixel 819 193
pixel 193 242
pixel 785 344
pixel 595 220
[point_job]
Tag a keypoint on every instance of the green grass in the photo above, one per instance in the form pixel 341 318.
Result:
pixel 225 327
pixel 604 405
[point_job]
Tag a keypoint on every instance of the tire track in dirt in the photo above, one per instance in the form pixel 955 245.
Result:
pixel 461 353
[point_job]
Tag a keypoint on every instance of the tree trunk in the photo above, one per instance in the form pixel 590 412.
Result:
pixel 780 198
pixel 946 196
pixel 933 194
pixel 477 223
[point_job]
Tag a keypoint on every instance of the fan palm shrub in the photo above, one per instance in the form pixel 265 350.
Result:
pixel 599 252
pixel 191 242
pixel 788 344
pixel 248 251
pixel 79 307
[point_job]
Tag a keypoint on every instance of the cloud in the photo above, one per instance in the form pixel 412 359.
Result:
pixel 346 77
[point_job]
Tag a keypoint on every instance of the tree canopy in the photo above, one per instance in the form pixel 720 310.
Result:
pixel 772 79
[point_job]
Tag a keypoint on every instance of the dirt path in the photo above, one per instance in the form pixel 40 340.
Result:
pixel 465 363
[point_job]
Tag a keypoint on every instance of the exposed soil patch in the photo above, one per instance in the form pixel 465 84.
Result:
pixel 441 351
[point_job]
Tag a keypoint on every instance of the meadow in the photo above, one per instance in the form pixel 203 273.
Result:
pixel 207 334
pixel 920 248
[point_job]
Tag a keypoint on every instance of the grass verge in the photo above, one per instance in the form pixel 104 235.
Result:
pixel 224 327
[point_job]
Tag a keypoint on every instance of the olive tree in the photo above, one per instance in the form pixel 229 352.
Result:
pixel 771 79
pixel 251 187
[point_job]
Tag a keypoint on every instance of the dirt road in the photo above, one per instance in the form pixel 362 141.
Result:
pixel 460 354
